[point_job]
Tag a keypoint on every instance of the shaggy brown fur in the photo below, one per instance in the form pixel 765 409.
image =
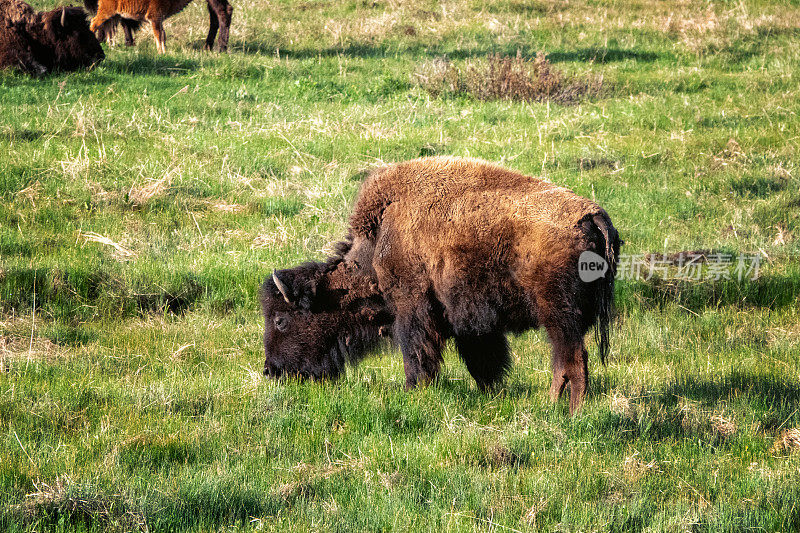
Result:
pixel 156 11
pixel 38 43
pixel 446 247
pixel 108 29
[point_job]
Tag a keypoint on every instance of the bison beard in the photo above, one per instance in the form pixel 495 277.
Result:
pixel 442 248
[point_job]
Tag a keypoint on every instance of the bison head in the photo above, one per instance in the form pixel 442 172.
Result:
pixel 66 33
pixel 317 318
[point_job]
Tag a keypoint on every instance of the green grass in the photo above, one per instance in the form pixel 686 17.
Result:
pixel 143 203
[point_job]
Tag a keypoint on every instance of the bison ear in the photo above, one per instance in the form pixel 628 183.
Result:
pixel 296 289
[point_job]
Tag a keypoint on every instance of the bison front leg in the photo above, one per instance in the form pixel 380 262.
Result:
pixel 570 365
pixel 486 356
pixel 419 340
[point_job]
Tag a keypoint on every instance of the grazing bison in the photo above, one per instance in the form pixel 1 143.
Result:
pixel 38 43
pixel 447 247
pixel 155 12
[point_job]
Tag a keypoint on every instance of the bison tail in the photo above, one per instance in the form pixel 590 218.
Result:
pixel 606 296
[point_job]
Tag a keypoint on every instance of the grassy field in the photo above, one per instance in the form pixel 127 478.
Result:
pixel 142 204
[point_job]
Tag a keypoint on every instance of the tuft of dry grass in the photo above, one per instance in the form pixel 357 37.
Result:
pixel 724 427
pixel 622 405
pixel 732 154
pixel 225 207
pixel 120 253
pixel 439 77
pixel 14 348
pixel 503 77
pixel 65 498
pixel 30 193
pixel 634 469
pixel 695 419
pixel 139 196
pixel 787 442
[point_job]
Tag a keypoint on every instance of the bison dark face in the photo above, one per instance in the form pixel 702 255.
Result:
pixel 314 330
pixel 73 45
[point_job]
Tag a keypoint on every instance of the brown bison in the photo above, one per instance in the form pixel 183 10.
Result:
pixel 38 43
pixel 446 247
pixel 155 12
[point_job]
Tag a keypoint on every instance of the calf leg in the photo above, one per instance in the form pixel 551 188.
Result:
pixel 570 365
pixel 486 356
pixel 126 26
pixel 159 34
pixel 220 12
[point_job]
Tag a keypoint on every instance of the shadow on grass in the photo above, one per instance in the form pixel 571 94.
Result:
pixel 22 135
pixel 212 505
pixel 605 55
pixel 209 505
pixel 147 64
pixel 423 50
pixel 777 397
pixel 695 408
pixel 770 290
pixel 74 292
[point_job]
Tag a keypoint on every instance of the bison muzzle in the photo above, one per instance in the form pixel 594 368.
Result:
pixel 441 248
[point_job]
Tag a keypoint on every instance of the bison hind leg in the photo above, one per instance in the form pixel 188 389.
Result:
pixel 487 357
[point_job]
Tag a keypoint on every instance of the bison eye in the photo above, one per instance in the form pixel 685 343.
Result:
pixel 281 323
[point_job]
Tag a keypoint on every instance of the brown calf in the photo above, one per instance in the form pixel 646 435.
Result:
pixel 156 11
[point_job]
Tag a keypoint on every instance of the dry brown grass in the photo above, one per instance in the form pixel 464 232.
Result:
pixel 225 207
pixel 120 252
pixel 711 29
pixel 634 469
pixel 787 442
pixel 30 193
pixel 694 419
pixel 139 196
pixel 507 78
pixel 14 349
pixel 62 497
pixel 623 406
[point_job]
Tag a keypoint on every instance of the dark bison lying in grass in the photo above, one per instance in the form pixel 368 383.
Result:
pixel 38 43
pixel 446 247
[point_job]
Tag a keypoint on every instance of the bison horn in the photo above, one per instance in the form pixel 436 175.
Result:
pixel 63 16
pixel 281 287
